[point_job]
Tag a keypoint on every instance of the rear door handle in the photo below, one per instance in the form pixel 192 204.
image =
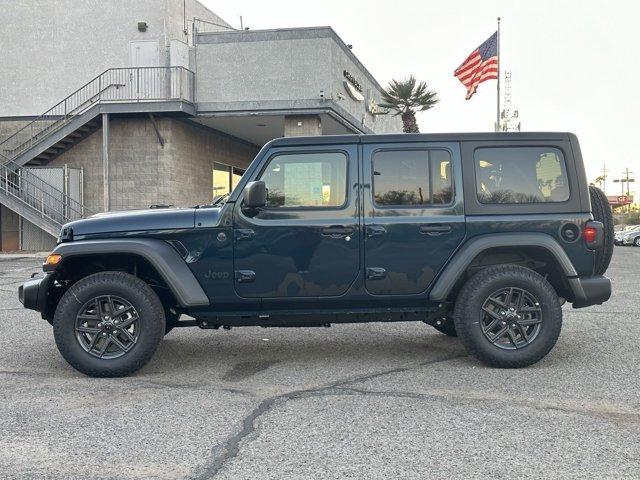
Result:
pixel 376 273
pixel 435 229
pixel 337 231
pixel 375 231
pixel 244 234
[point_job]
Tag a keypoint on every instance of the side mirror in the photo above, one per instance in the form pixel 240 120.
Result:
pixel 255 195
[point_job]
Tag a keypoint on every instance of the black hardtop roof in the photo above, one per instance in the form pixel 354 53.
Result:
pixel 420 137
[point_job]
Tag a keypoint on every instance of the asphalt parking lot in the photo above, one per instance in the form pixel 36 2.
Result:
pixel 353 401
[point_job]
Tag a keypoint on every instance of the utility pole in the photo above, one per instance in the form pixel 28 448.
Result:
pixel 625 179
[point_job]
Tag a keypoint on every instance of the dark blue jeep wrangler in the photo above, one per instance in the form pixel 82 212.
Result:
pixel 483 236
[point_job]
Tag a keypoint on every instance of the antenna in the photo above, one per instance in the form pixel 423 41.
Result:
pixel 509 116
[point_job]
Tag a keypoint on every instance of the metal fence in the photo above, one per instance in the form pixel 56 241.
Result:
pixel 116 85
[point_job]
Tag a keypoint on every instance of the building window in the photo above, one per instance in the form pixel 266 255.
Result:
pixel 412 177
pixel 225 179
pixel 521 175
pixel 306 180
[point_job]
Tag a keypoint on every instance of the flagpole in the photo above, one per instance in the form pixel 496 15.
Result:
pixel 498 84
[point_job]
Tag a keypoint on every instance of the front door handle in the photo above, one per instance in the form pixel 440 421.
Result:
pixel 435 229
pixel 245 276
pixel 244 234
pixel 337 231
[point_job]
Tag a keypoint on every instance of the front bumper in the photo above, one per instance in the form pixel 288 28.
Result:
pixel 589 291
pixel 33 293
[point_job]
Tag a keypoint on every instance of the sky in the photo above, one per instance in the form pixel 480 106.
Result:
pixel 573 63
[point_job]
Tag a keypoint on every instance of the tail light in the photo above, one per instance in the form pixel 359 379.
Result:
pixel 593 233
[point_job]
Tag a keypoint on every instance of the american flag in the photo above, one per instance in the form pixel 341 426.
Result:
pixel 480 66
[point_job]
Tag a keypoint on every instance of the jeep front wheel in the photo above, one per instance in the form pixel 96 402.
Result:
pixel 508 316
pixel 108 324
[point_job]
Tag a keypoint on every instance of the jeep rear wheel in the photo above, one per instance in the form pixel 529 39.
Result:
pixel 108 324
pixel 508 316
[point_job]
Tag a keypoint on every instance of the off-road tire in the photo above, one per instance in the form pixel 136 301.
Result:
pixel 446 326
pixel 138 294
pixel 467 315
pixel 602 213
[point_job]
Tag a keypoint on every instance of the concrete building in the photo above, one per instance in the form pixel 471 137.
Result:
pixel 111 105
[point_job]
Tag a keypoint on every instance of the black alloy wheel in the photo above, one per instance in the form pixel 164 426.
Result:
pixel 107 326
pixel 511 318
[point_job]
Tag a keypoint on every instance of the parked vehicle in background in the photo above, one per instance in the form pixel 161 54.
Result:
pixel 482 236
pixel 629 236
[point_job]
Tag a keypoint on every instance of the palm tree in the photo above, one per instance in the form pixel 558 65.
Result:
pixel 406 97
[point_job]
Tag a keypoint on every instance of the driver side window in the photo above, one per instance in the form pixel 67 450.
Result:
pixel 311 180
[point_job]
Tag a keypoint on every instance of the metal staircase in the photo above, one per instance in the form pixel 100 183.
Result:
pixel 136 89
pixel 73 118
pixel 36 200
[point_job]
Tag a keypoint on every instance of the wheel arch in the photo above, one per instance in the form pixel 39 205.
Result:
pixel 154 255
pixel 529 249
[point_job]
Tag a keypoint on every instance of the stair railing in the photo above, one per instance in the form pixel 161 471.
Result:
pixel 115 85
pixel 44 199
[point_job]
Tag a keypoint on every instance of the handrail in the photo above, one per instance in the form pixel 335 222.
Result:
pixel 197 20
pixel 25 173
pixel 37 194
pixel 114 85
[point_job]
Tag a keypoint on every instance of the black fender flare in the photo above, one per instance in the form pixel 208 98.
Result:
pixel 476 245
pixel 162 256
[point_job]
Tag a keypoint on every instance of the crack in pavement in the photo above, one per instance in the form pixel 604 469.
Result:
pixel 608 412
pixel 230 448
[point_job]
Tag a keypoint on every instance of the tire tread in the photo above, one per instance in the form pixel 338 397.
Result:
pixel 463 313
pixel 121 279
pixel 602 213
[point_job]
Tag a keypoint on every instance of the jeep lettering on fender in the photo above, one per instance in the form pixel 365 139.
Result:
pixel 483 236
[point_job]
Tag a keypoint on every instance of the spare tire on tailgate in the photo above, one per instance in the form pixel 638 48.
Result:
pixel 602 213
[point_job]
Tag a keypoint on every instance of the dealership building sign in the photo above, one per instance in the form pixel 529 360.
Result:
pixel 353 87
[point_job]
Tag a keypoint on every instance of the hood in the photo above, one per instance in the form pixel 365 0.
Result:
pixel 134 221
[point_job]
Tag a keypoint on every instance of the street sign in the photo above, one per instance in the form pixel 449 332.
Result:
pixel 620 200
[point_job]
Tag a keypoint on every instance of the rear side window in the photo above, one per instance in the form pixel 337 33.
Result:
pixel 412 177
pixel 521 175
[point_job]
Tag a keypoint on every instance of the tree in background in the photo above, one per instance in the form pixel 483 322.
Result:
pixel 406 97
